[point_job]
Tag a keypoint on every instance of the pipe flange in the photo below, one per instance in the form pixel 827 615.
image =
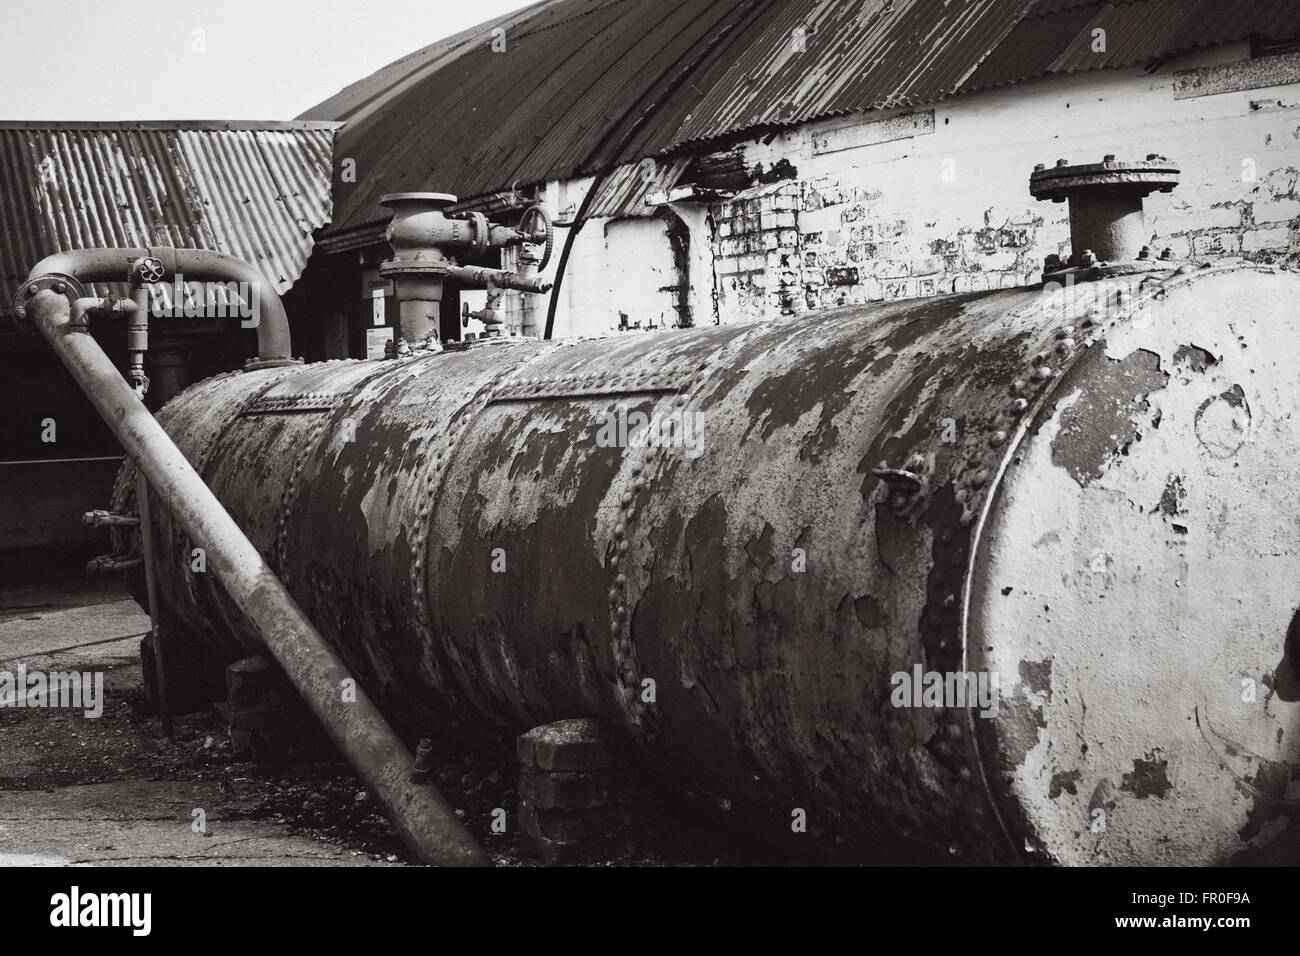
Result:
pixel 61 284
pixel 1065 273
pixel 1057 183
pixel 416 266
pixel 482 234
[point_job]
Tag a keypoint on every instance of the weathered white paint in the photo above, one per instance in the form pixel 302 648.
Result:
pixel 1138 618
pixel 951 211
pixel 616 266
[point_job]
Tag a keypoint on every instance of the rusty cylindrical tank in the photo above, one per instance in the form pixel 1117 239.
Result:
pixel 1089 499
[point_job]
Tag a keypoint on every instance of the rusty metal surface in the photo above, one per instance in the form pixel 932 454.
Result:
pixel 385 513
pixel 1057 36
pixel 255 191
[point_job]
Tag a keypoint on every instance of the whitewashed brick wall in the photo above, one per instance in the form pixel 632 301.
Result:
pixel 949 210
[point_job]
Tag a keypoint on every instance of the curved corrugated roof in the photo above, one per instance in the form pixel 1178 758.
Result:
pixel 467 120
pixel 1059 36
pixel 586 85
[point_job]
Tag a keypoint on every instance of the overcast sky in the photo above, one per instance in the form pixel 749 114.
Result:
pixel 263 59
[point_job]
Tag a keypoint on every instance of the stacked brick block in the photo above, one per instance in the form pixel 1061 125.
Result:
pixel 756 250
pixel 573 804
pixel 268 718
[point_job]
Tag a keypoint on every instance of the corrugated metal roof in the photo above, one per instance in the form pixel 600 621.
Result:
pixel 483 120
pixel 589 85
pixel 356 100
pixel 1058 36
pixel 253 190
pixel 855 56
pixel 623 192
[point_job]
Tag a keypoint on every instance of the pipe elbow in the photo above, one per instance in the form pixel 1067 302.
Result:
pixel 85 266
pixel 273 340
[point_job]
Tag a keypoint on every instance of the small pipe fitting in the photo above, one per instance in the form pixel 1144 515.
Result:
pixel 422 765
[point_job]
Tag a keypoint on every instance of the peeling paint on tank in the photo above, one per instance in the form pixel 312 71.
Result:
pixel 1098 431
pixel 1149 777
pixel 769 588
pixel 1139 610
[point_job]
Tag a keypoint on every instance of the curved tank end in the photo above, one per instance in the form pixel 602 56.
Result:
pixel 1136 581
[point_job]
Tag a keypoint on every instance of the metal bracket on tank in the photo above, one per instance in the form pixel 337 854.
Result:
pixel 291 404
pixel 909 488
pixel 590 386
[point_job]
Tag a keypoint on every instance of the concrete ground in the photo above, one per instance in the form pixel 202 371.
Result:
pixel 114 791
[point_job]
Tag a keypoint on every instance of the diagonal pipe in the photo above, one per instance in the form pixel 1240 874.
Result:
pixel 426 823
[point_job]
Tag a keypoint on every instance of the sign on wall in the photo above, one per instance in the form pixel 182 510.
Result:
pixel 876 131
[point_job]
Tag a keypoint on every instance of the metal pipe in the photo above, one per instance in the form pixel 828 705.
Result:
pixel 137 340
pixel 419 298
pixel 99 518
pixel 60 461
pixel 479 275
pixel 425 821
pixel 1106 220
pixel 114 265
pixel 1109 222
pixel 579 220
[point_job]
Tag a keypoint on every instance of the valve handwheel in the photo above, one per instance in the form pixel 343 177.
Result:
pixel 148 269
pixel 528 230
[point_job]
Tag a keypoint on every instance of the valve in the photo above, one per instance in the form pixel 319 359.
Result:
pixel 537 236
pixel 490 315
pixel 147 270
pixel 139 381
pixel 429 246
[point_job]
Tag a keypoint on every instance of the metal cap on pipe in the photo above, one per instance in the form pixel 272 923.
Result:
pixel 1106 216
